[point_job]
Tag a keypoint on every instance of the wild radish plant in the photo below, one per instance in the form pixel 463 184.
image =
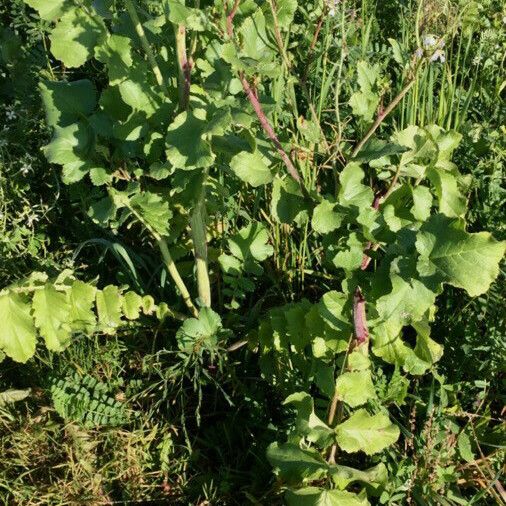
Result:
pixel 178 123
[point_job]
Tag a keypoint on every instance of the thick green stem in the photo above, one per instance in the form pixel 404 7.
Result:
pixel 171 267
pixel 144 41
pixel 198 226
pixel 198 217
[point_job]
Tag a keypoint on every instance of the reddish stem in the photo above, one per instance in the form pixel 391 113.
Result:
pixel 257 107
pixel 360 318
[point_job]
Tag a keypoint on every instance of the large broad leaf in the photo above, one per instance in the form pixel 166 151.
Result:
pixel 109 303
pixel 66 103
pixel 285 11
pixel 368 433
pixel 82 298
pixel 342 476
pixel 256 44
pixel 389 345
pixel 307 423
pixel 312 496
pixel 153 210
pixel 186 148
pixel 451 201
pixel 50 9
pixel 17 332
pixel 355 387
pixel 326 217
pixel 199 333
pixel 251 243
pixel 294 464
pixel 51 311
pixel 288 204
pixel 74 38
pixel 350 258
pixel 451 255
pixel 139 92
pixel 408 299
pixel 253 168
pixel 132 303
pixel 69 144
pixel 365 102
pixel 353 193
pixel 116 53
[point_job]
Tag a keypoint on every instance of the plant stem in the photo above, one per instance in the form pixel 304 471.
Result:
pixel 381 117
pixel 183 66
pixel 257 107
pixel 144 42
pixel 198 215
pixel 171 267
pixel 199 233
pixel 288 65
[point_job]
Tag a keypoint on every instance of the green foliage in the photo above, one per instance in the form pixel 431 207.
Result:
pixel 87 401
pixel 230 153
pixel 59 308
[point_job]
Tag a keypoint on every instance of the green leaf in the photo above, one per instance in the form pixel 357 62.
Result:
pixel 116 53
pixel 342 476
pixel 11 396
pixel 352 192
pixel 365 102
pixel 464 446
pixel 312 496
pixel 363 432
pixel 294 464
pixel 326 218
pixel 131 303
pixel 153 210
pixel 453 256
pixel 50 10
pixel 409 298
pixel 287 203
pixel 198 333
pixel 307 423
pixel 74 38
pixel 364 105
pixel 17 331
pixel 253 168
pixel 186 147
pixel 179 14
pixel 66 103
pixel 255 40
pixel 82 298
pixel 350 259
pixel 109 303
pixel 285 12
pixel 251 242
pixel 422 203
pixel 69 144
pixel 51 311
pixel 355 387
pixel 451 201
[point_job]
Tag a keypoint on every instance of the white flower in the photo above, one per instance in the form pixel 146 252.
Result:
pixel 26 168
pixel 32 219
pixel 10 114
pixel 419 52
pixel 438 55
pixel 429 41
pixel 332 5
